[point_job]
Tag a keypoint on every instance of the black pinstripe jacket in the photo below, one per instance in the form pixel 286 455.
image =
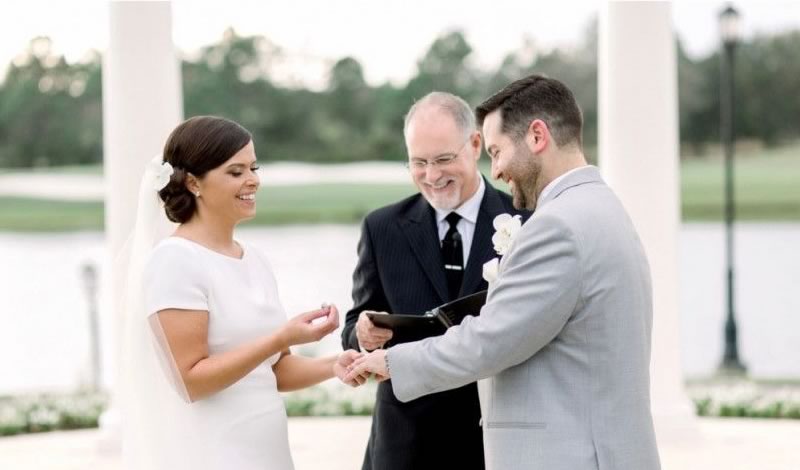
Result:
pixel 400 270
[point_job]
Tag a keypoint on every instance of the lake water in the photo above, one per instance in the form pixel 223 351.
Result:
pixel 44 326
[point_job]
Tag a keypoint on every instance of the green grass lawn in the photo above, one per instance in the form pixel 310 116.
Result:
pixel 767 188
pixel 61 170
pixel 318 203
pixel 40 215
pixel 324 203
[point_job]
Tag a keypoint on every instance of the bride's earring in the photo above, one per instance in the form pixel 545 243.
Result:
pixel 197 194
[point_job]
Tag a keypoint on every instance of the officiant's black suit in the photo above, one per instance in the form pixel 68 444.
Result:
pixel 400 270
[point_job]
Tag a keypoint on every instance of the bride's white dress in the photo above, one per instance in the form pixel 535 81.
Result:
pixel 244 426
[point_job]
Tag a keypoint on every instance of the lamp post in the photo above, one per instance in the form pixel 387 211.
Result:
pixel 729 31
pixel 89 275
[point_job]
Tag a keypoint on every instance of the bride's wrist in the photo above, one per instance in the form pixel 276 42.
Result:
pixel 335 362
pixel 283 340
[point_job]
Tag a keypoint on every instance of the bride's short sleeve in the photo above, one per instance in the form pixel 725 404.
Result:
pixel 174 279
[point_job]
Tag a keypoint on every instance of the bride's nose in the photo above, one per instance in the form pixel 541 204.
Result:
pixel 253 181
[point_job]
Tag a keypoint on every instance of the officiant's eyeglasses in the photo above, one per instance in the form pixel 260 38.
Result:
pixel 420 164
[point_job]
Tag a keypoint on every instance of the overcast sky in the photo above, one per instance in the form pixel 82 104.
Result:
pixel 387 37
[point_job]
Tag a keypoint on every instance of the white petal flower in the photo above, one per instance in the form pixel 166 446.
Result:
pixel 501 220
pixel 161 174
pixel 490 270
pixel 511 226
pixel 506 228
pixel 502 242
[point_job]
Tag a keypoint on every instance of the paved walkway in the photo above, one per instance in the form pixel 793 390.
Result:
pixel 338 444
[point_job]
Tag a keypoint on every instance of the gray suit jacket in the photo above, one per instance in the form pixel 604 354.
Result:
pixel 564 339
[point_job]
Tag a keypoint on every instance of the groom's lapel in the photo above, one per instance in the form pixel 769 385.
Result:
pixel 482 249
pixel 419 227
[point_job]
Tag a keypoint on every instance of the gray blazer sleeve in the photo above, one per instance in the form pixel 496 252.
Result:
pixel 535 294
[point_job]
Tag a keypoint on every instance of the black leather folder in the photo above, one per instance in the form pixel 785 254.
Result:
pixel 434 322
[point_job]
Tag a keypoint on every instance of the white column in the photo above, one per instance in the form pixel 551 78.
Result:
pixel 142 103
pixel 638 156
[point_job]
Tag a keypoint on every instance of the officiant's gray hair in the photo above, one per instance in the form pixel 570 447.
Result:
pixel 451 104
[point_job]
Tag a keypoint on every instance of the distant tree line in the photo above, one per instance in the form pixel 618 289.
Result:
pixel 50 110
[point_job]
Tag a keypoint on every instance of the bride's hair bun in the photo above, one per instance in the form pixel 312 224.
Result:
pixel 195 147
pixel 179 203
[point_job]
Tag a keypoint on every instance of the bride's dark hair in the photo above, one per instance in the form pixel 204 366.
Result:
pixel 196 146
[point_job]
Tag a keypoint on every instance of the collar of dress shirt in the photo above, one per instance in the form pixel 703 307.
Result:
pixel 553 183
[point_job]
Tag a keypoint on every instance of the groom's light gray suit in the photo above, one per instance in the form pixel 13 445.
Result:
pixel 564 340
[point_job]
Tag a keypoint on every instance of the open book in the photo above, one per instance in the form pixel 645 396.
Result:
pixel 433 322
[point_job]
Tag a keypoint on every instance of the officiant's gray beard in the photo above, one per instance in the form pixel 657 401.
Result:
pixel 447 203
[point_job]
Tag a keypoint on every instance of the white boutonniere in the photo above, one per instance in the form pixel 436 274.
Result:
pixel 162 172
pixel 490 270
pixel 506 228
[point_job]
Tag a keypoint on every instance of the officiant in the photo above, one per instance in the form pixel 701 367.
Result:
pixel 414 255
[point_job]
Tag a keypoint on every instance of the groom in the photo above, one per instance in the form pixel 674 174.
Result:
pixel 564 337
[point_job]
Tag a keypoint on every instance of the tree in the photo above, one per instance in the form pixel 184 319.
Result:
pixel 50 110
pixel 445 67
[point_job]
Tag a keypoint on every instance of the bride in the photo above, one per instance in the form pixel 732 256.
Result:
pixel 207 341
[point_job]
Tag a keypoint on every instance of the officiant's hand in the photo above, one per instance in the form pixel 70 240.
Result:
pixel 344 361
pixel 372 363
pixel 370 336
pixel 310 326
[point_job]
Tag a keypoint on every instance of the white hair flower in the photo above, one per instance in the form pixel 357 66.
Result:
pixel 162 172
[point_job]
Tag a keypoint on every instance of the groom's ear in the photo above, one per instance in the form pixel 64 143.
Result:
pixel 538 136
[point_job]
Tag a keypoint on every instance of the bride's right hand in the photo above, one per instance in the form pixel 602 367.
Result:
pixel 303 329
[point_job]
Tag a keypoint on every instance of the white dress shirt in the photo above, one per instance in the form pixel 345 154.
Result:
pixel 469 216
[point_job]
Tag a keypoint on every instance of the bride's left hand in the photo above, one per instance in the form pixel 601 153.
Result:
pixel 369 364
pixel 344 361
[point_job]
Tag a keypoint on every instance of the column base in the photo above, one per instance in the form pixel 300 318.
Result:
pixel 110 440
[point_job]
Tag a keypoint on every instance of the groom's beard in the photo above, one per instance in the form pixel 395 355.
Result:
pixel 525 173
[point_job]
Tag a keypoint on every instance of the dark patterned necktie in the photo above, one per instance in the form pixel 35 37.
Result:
pixel 453 256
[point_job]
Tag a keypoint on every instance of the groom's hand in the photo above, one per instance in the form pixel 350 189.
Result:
pixel 372 363
pixel 344 361
pixel 369 336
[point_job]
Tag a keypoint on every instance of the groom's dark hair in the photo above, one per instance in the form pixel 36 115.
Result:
pixel 536 97
pixel 196 146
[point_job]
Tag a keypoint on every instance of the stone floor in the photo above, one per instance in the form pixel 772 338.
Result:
pixel 338 444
